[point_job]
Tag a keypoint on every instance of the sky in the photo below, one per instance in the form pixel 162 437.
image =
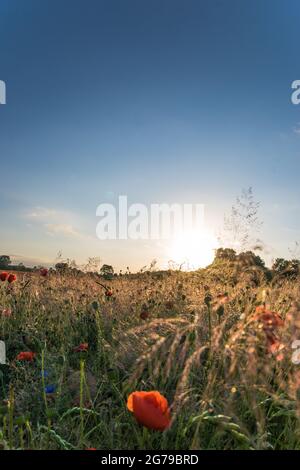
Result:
pixel 184 101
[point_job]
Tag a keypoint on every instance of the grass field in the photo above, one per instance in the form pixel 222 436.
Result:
pixel 224 365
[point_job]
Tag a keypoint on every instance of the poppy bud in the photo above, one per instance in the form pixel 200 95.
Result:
pixel 208 299
pixel 144 315
pixel 169 304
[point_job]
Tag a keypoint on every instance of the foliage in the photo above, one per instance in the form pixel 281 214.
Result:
pixel 107 271
pixel 5 261
pixel 287 268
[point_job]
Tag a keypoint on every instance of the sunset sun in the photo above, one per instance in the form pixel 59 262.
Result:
pixel 195 249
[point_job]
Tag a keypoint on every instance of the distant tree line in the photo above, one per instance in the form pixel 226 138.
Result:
pixel 281 266
pixel 6 263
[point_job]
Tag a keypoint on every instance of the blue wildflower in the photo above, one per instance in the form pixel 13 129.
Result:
pixel 50 388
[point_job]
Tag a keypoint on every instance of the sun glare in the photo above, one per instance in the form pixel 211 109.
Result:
pixel 194 249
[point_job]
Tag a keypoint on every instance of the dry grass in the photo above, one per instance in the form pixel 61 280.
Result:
pixel 166 331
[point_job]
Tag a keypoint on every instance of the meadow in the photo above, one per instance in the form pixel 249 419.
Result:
pixel 216 343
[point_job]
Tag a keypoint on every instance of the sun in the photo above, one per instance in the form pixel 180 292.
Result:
pixel 194 249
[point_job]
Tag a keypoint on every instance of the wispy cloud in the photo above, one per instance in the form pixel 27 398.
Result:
pixel 30 261
pixel 63 229
pixel 40 213
pixel 54 222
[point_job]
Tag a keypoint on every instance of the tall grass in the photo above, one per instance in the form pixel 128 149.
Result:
pixel 210 358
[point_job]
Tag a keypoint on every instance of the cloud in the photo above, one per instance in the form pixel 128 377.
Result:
pixel 54 222
pixel 40 213
pixel 30 261
pixel 66 230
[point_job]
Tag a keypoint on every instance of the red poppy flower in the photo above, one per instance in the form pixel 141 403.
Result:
pixel 83 347
pixel 108 293
pixel 91 448
pixel 270 320
pixel 11 278
pixel 150 409
pixel 26 356
pixel 274 346
pixel 3 276
pixel 44 272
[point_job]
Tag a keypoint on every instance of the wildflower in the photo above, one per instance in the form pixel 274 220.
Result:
pixel 3 276
pixel 50 389
pixel 223 298
pixel 44 373
pixel 219 303
pixel 91 448
pixel 6 312
pixel 270 320
pixel 44 272
pixel 150 409
pixel 11 278
pixel 260 309
pixel 296 353
pixel 26 356
pixel 108 293
pixel 83 347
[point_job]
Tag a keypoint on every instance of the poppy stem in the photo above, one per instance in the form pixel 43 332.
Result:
pixel 11 416
pixel 44 389
pixel 81 402
pixel 209 322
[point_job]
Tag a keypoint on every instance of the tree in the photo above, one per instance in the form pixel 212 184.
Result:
pixel 5 261
pixel 61 267
pixel 249 258
pixel 107 271
pixel 286 268
pixel 225 253
pixel 280 265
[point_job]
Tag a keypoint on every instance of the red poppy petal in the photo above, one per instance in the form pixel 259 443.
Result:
pixel 148 414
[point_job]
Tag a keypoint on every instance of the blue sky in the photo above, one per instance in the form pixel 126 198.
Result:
pixel 164 101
